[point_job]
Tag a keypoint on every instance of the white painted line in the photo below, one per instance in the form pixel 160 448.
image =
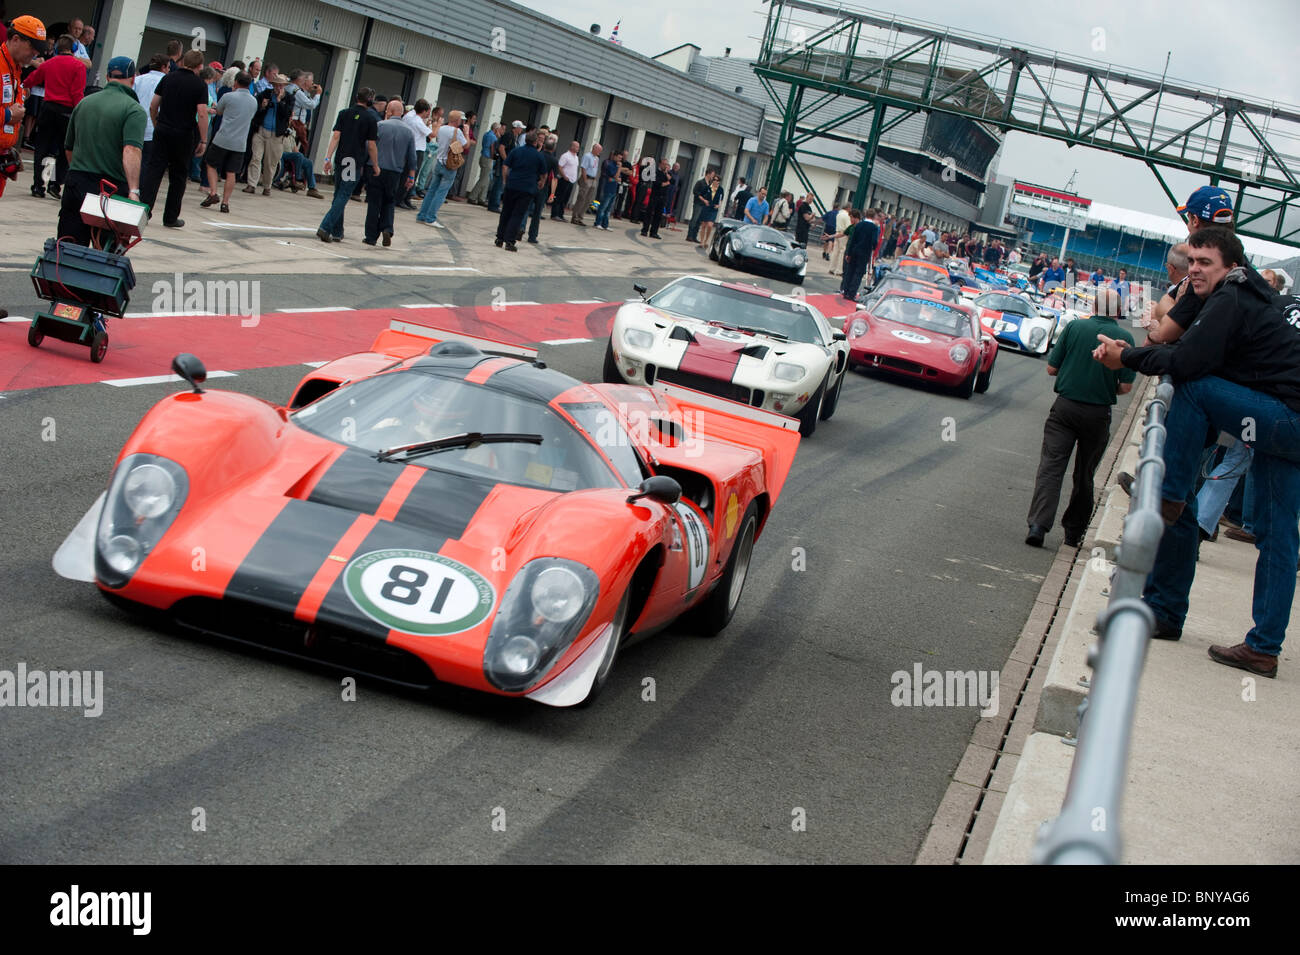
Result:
pixel 265 228
pixel 566 341
pixel 160 379
pixel 312 248
pixel 520 303
pixel 315 364
pixel 585 301
pixel 319 308
pixel 180 314
pixel 431 268
pixel 429 305
pixel 15 319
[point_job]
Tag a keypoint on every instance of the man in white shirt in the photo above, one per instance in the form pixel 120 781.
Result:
pixel 440 182
pixel 588 173
pixel 568 163
pixel 306 95
pixel 417 117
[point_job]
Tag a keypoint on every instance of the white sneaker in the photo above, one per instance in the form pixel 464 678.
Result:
pixel 437 225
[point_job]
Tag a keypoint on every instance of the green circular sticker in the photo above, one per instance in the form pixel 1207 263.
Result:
pixel 416 591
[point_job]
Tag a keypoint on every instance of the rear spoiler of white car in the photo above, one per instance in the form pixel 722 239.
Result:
pixel 487 346
pixel 734 408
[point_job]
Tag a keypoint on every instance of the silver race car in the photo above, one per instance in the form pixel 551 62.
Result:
pixel 741 342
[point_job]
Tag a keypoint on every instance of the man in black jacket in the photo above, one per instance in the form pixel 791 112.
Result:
pixel 1237 369
pixel 274 110
pixel 858 253
pixel 702 193
pixel 179 110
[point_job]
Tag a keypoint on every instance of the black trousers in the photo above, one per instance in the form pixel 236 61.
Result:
pixel 855 269
pixel 654 214
pixel 51 130
pixel 514 206
pixel 381 200
pixel 172 151
pixel 563 189
pixel 76 187
pixel 1081 428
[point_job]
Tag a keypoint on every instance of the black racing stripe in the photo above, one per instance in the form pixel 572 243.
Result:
pixel 528 381
pixel 444 503
pixel 355 482
pixel 337 607
pixel 288 554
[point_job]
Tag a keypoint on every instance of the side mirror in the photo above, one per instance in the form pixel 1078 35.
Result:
pixel 189 367
pixel 660 488
pixel 640 290
pixel 839 336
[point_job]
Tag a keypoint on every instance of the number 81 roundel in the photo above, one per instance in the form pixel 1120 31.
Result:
pixel 418 592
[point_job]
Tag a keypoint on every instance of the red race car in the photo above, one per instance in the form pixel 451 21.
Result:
pixel 923 338
pixel 455 513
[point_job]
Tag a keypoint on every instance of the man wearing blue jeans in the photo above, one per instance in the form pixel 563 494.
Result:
pixel 352 149
pixel 1236 369
pixel 441 181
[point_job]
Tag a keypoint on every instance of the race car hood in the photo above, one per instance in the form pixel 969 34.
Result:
pixel 918 344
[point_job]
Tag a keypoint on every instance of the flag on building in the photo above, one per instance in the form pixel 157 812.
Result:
pixel 613 37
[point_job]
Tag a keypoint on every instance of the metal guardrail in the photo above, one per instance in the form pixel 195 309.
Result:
pixel 1087 830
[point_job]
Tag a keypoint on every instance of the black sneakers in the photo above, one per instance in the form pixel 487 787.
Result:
pixel 1035 536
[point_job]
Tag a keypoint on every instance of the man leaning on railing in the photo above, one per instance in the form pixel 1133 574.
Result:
pixel 1236 368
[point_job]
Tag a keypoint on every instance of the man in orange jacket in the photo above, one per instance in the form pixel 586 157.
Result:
pixel 26 40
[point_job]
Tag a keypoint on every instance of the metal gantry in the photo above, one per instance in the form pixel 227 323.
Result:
pixel 858 63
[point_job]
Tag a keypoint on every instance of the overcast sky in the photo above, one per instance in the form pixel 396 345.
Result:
pixel 1252 51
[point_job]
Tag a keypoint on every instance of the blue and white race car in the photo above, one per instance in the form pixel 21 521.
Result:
pixel 1015 322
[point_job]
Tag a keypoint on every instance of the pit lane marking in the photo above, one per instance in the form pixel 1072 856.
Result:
pixel 584 301
pixel 265 228
pixel 181 314
pixel 159 379
pixel 566 341
pixel 311 248
pixel 428 305
pixel 15 319
pixel 315 308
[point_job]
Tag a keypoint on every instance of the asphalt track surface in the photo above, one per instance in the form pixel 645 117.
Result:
pixel 889 547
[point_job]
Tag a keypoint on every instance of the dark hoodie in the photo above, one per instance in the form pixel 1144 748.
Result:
pixel 1240 334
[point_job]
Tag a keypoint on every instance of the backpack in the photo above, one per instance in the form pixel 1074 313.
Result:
pixel 455 155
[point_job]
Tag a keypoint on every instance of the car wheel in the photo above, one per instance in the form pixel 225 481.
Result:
pixel 967 387
pixel 982 382
pixel 611 651
pixel 797 279
pixel 719 607
pixel 713 249
pixel 610 374
pixel 98 347
pixel 832 398
pixel 724 254
pixel 812 411
pixel 34 338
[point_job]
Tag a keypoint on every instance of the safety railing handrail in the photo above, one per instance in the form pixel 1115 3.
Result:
pixel 1087 831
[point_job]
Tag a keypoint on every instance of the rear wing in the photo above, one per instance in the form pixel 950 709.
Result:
pixel 773 435
pixel 405 339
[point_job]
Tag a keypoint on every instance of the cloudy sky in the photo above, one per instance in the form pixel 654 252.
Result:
pixel 1252 50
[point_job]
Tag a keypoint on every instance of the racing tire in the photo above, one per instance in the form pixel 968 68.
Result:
pixel 724 254
pixel 720 606
pixel 713 249
pixel 967 387
pixel 34 338
pixel 610 373
pixel 832 398
pixel 797 279
pixel 98 347
pixel 984 377
pixel 611 652
pixel 811 412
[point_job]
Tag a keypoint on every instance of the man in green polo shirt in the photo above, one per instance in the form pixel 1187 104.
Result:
pixel 105 137
pixel 1079 421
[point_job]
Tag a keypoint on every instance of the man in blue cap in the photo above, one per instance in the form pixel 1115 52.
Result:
pixel 105 137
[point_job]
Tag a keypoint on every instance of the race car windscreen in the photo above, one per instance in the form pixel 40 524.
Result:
pixel 925 273
pixel 1006 303
pixel 408 407
pixel 897 283
pixel 924 313
pixel 717 303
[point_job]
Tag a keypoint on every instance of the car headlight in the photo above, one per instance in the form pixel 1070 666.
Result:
pixel 857 328
pixel 638 338
pixel 799 259
pixel 144 496
pixel 544 609
pixel 1037 337
pixel 959 353
pixel 737 242
pixel 788 371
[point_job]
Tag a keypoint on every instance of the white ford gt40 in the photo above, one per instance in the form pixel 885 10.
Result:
pixel 736 341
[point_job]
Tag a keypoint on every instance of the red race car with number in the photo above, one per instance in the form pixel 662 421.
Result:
pixel 923 338
pixel 456 513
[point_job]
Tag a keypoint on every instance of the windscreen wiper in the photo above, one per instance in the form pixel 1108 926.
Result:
pixel 467 439
pixel 762 331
